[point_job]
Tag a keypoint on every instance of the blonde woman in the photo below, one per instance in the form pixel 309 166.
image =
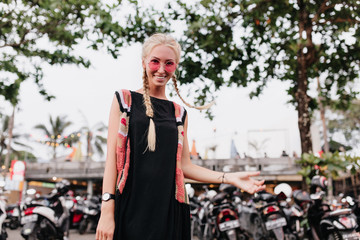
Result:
pixel 143 192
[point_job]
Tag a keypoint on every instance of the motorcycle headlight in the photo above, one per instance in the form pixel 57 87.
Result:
pixel 86 210
pixel 348 222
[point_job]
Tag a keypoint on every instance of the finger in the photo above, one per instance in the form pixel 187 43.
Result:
pixel 259 183
pixel 253 174
pixel 97 234
pixel 260 188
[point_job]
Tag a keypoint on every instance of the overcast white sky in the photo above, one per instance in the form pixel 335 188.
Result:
pixel 88 92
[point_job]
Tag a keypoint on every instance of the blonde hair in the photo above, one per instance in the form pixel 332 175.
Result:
pixel 154 41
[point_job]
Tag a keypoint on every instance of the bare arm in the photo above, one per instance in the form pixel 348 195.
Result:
pixel 106 224
pixel 242 180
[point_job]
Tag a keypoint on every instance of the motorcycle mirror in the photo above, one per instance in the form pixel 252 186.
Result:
pixel 350 200
pixel 285 188
pixel 30 191
pixel 281 196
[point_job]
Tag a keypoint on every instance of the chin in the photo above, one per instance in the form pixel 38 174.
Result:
pixel 158 83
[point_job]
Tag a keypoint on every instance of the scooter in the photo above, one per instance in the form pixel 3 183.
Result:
pixel 41 216
pixel 224 218
pixel 76 208
pixel 272 217
pixel 91 215
pixel 3 233
pixel 12 220
pixel 324 222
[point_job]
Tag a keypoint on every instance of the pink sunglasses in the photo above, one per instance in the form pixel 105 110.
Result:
pixel 154 65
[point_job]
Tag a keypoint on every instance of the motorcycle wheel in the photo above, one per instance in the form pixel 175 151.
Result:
pixel 196 231
pixel 4 234
pixel 83 226
pixel 259 232
pixel 34 234
pixel 231 234
pixel 334 236
pixel 242 235
pixel 14 224
pixel 207 234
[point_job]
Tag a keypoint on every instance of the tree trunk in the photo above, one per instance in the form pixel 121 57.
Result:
pixel 326 142
pixel 322 116
pixel 301 96
pixel 8 147
pixel 54 151
pixel 89 150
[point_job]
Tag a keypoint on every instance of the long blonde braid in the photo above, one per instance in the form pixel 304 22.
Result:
pixel 187 104
pixel 151 137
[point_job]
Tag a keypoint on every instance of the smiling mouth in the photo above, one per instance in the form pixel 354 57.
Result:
pixel 160 78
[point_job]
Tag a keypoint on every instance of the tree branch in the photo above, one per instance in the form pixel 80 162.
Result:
pixel 22 41
pixel 322 9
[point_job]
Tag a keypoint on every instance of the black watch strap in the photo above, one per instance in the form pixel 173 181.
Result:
pixel 107 196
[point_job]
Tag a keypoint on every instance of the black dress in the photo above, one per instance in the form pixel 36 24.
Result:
pixel 147 208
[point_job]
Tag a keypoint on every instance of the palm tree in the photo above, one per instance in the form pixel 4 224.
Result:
pixel 55 133
pixel 94 139
pixel 4 138
pixel 258 147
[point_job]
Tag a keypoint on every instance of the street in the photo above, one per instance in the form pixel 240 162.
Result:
pixel 74 235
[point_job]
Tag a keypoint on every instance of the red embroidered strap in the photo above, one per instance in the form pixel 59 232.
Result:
pixel 180 191
pixel 122 143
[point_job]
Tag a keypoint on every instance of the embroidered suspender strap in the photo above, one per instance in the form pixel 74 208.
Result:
pixel 123 142
pixel 180 194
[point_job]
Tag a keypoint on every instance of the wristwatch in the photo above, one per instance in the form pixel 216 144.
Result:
pixel 107 196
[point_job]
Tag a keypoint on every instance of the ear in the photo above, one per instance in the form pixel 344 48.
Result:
pixel 143 63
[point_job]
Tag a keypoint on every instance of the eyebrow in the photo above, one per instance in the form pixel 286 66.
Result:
pixel 170 59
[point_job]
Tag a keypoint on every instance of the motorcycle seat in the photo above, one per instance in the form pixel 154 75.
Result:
pixel 218 198
pixel 338 212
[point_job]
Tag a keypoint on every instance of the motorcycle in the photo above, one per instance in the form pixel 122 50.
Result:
pixel 223 220
pixel 325 223
pixel 91 215
pixel 76 209
pixel 355 206
pixel 297 213
pixel 195 207
pixel 3 233
pixel 46 217
pixel 272 218
pixel 12 220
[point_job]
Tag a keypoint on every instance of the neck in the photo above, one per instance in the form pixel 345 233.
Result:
pixel 158 92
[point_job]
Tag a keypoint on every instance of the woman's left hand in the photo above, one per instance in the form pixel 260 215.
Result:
pixel 244 181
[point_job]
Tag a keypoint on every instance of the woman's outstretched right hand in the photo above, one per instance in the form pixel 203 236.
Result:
pixel 106 225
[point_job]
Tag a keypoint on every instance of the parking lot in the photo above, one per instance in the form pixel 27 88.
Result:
pixel 74 235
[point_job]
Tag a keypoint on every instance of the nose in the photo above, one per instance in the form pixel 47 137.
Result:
pixel 161 68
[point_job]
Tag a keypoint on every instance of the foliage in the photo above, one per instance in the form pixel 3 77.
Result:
pixel 26 27
pixel 346 123
pixel 56 133
pixel 4 138
pixel 95 140
pixel 332 163
pixel 21 155
pixel 249 43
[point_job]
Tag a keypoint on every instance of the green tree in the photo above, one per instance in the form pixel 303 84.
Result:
pixel 251 42
pixel 37 33
pixel 331 164
pixel 55 134
pixel 94 139
pixel 4 139
pixel 346 123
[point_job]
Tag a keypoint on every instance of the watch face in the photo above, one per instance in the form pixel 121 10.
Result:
pixel 105 196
